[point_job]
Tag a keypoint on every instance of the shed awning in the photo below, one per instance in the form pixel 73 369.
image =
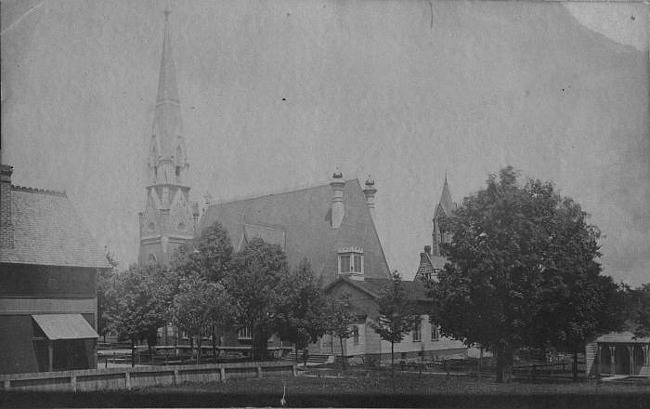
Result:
pixel 65 326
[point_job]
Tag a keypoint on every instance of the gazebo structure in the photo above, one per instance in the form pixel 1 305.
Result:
pixel 618 353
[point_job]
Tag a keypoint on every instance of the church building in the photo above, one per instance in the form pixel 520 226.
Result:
pixel 331 225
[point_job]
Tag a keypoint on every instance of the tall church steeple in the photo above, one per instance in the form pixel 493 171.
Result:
pixel 444 209
pixel 167 154
pixel 168 220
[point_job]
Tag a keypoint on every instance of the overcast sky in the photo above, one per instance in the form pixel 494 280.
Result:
pixel 276 94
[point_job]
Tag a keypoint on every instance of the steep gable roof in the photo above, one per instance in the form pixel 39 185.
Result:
pixel 305 218
pixel 415 290
pixel 48 231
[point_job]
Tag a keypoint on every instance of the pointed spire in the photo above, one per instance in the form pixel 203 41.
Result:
pixel 446 204
pixel 167 87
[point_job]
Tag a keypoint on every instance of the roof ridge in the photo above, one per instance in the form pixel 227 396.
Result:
pixel 38 190
pixel 285 191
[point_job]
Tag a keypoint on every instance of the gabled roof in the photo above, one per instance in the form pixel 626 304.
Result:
pixel 425 269
pixel 415 290
pixel 48 231
pixel 622 337
pixel 429 266
pixel 305 218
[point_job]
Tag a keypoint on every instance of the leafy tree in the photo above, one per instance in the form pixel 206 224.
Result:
pixel 575 302
pixel 210 255
pixel 298 315
pixel 522 271
pixel 199 306
pixel 397 315
pixel 253 284
pixel 338 319
pixel 141 299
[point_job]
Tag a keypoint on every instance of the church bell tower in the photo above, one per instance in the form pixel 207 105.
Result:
pixel 168 220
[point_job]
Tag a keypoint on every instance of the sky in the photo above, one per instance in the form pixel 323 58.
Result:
pixel 277 94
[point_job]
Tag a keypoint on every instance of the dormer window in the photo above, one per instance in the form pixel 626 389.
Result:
pixel 351 260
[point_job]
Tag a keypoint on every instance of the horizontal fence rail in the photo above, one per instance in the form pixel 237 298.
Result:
pixel 139 377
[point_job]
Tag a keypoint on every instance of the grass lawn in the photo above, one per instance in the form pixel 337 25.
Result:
pixel 358 390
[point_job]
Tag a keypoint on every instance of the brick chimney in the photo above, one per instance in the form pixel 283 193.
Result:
pixel 369 191
pixel 6 224
pixel 338 208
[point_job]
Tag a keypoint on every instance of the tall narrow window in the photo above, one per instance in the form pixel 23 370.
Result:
pixel 357 263
pixel 355 334
pixel 417 332
pixel 345 263
pixel 435 333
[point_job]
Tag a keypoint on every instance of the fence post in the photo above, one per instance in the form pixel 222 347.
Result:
pixel 223 374
pixel 259 371
pixel 73 383
pixel 127 379
pixel 175 376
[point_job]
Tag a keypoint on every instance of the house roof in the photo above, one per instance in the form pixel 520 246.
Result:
pixel 429 265
pixel 302 219
pixel 48 231
pixel 622 337
pixel 415 290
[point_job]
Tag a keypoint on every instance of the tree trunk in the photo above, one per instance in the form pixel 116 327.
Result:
pixel 575 366
pixel 199 341
pixel 132 352
pixel 342 356
pixel 214 344
pixel 295 347
pixel 480 361
pixel 392 359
